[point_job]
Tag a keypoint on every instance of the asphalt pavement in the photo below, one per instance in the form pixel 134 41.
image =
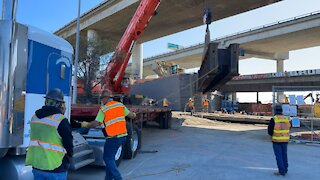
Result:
pixel 197 148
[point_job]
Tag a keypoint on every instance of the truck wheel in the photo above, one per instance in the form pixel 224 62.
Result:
pixel 119 155
pixel 133 142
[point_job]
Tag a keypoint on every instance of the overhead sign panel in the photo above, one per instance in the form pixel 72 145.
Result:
pixel 174 46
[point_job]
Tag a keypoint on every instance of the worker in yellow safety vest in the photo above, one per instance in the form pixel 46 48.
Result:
pixel 165 102
pixel 112 115
pixel 50 139
pixel 279 129
pixel 205 104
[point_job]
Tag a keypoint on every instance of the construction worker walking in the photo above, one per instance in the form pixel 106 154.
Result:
pixel 190 106
pixel 112 115
pixel 205 104
pixel 50 139
pixel 279 129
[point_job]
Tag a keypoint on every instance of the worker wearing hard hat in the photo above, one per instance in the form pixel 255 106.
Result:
pixel 279 129
pixel 190 106
pixel 50 139
pixel 112 115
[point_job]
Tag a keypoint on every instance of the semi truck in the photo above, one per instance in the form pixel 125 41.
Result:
pixel 33 62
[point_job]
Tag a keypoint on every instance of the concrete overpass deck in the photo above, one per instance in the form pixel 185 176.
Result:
pixel 111 17
pixel 271 41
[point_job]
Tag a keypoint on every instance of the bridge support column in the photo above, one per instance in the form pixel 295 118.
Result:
pixel 280 58
pixel 137 61
pixel 280 67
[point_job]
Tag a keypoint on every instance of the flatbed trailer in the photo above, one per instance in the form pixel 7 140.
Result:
pixel 89 143
pixel 160 115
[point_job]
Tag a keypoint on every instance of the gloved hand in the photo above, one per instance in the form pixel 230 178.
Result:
pixel 134 115
pixel 84 124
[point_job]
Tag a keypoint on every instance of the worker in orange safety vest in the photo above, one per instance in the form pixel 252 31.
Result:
pixel 205 104
pixel 112 115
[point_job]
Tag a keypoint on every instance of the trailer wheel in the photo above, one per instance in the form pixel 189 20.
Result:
pixel 119 155
pixel 133 142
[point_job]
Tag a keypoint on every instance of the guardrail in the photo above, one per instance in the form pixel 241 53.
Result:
pixel 278 74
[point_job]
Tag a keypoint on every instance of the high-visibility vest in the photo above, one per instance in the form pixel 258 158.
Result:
pixel 206 102
pixel 281 131
pixel 114 119
pixel 45 151
pixel 165 102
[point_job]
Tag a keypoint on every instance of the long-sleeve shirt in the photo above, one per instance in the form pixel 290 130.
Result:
pixel 271 127
pixel 65 133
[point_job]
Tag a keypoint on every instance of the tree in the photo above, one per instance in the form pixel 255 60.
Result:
pixel 89 69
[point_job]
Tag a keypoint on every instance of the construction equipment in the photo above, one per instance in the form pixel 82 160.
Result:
pixel 164 69
pixel 229 106
pixel 312 108
pixel 309 95
pixel 218 65
pixel 315 104
pixel 119 61
pixel 34 62
pixel 115 81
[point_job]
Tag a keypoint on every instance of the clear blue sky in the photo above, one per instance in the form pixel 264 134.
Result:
pixel 50 15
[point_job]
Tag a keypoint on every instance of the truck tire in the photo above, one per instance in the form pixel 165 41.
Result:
pixel 119 155
pixel 133 142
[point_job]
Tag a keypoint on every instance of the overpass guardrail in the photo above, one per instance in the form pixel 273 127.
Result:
pixel 278 74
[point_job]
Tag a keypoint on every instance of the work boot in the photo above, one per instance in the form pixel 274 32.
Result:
pixel 278 174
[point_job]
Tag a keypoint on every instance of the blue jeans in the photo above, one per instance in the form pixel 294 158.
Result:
pixel 280 150
pixel 110 149
pixel 44 175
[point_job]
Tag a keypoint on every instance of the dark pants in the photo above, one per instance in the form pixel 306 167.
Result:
pixel 280 150
pixel 44 175
pixel 110 149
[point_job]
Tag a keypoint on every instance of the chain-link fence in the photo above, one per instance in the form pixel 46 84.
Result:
pixel 302 105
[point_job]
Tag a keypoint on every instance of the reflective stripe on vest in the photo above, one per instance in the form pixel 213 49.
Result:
pixel 47 146
pixel 52 121
pixel 114 119
pixel 45 151
pixel 106 108
pixel 281 132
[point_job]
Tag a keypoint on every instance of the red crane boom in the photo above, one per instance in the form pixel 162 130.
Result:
pixel 119 61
